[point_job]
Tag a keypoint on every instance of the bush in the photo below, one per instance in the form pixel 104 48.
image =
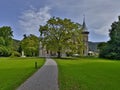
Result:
pixel 15 54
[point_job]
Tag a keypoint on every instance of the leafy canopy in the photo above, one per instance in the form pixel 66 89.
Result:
pixel 30 45
pixel 6 35
pixel 61 35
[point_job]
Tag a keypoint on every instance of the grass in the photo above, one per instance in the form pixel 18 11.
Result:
pixel 14 71
pixel 88 74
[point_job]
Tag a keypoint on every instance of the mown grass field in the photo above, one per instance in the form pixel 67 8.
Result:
pixel 88 74
pixel 14 71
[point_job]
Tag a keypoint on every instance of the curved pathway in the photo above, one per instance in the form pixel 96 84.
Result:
pixel 46 78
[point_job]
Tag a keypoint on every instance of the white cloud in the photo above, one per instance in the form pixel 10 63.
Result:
pixel 100 14
pixel 31 19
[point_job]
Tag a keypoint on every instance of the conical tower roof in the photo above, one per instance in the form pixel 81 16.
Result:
pixel 84 27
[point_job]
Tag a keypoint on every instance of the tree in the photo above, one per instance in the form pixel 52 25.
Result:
pixel 6 35
pixel 30 45
pixel 112 48
pixel 61 35
pixel 101 45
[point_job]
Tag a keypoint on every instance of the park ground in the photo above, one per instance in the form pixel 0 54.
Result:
pixel 84 73
pixel 88 74
pixel 14 71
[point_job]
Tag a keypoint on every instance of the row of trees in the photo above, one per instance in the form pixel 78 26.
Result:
pixel 11 47
pixel 111 49
pixel 58 35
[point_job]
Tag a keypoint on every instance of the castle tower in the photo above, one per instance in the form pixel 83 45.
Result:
pixel 85 38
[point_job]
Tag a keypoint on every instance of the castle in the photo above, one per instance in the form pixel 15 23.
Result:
pixel 43 52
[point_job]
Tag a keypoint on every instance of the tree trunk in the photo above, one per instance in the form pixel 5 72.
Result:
pixel 59 54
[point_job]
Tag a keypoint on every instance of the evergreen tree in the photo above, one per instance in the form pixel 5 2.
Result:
pixel 112 48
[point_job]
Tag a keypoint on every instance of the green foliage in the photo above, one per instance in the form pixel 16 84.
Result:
pixel 16 45
pixel 30 45
pixel 15 54
pixel 112 49
pixel 14 71
pixel 101 45
pixel 61 35
pixel 88 74
pixel 5 41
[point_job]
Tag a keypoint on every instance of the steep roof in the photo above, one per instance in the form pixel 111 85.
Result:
pixel 84 27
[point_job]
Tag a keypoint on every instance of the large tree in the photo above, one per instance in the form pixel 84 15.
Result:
pixel 61 35
pixel 30 45
pixel 111 49
pixel 5 41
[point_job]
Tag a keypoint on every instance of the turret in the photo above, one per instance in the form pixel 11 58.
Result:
pixel 85 38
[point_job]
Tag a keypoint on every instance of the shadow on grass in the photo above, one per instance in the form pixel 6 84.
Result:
pixel 77 58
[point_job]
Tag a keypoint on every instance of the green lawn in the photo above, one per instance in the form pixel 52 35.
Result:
pixel 88 74
pixel 14 71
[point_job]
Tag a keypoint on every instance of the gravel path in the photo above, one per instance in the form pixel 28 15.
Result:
pixel 45 78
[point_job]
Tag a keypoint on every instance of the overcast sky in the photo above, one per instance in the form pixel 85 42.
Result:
pixel 25 16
